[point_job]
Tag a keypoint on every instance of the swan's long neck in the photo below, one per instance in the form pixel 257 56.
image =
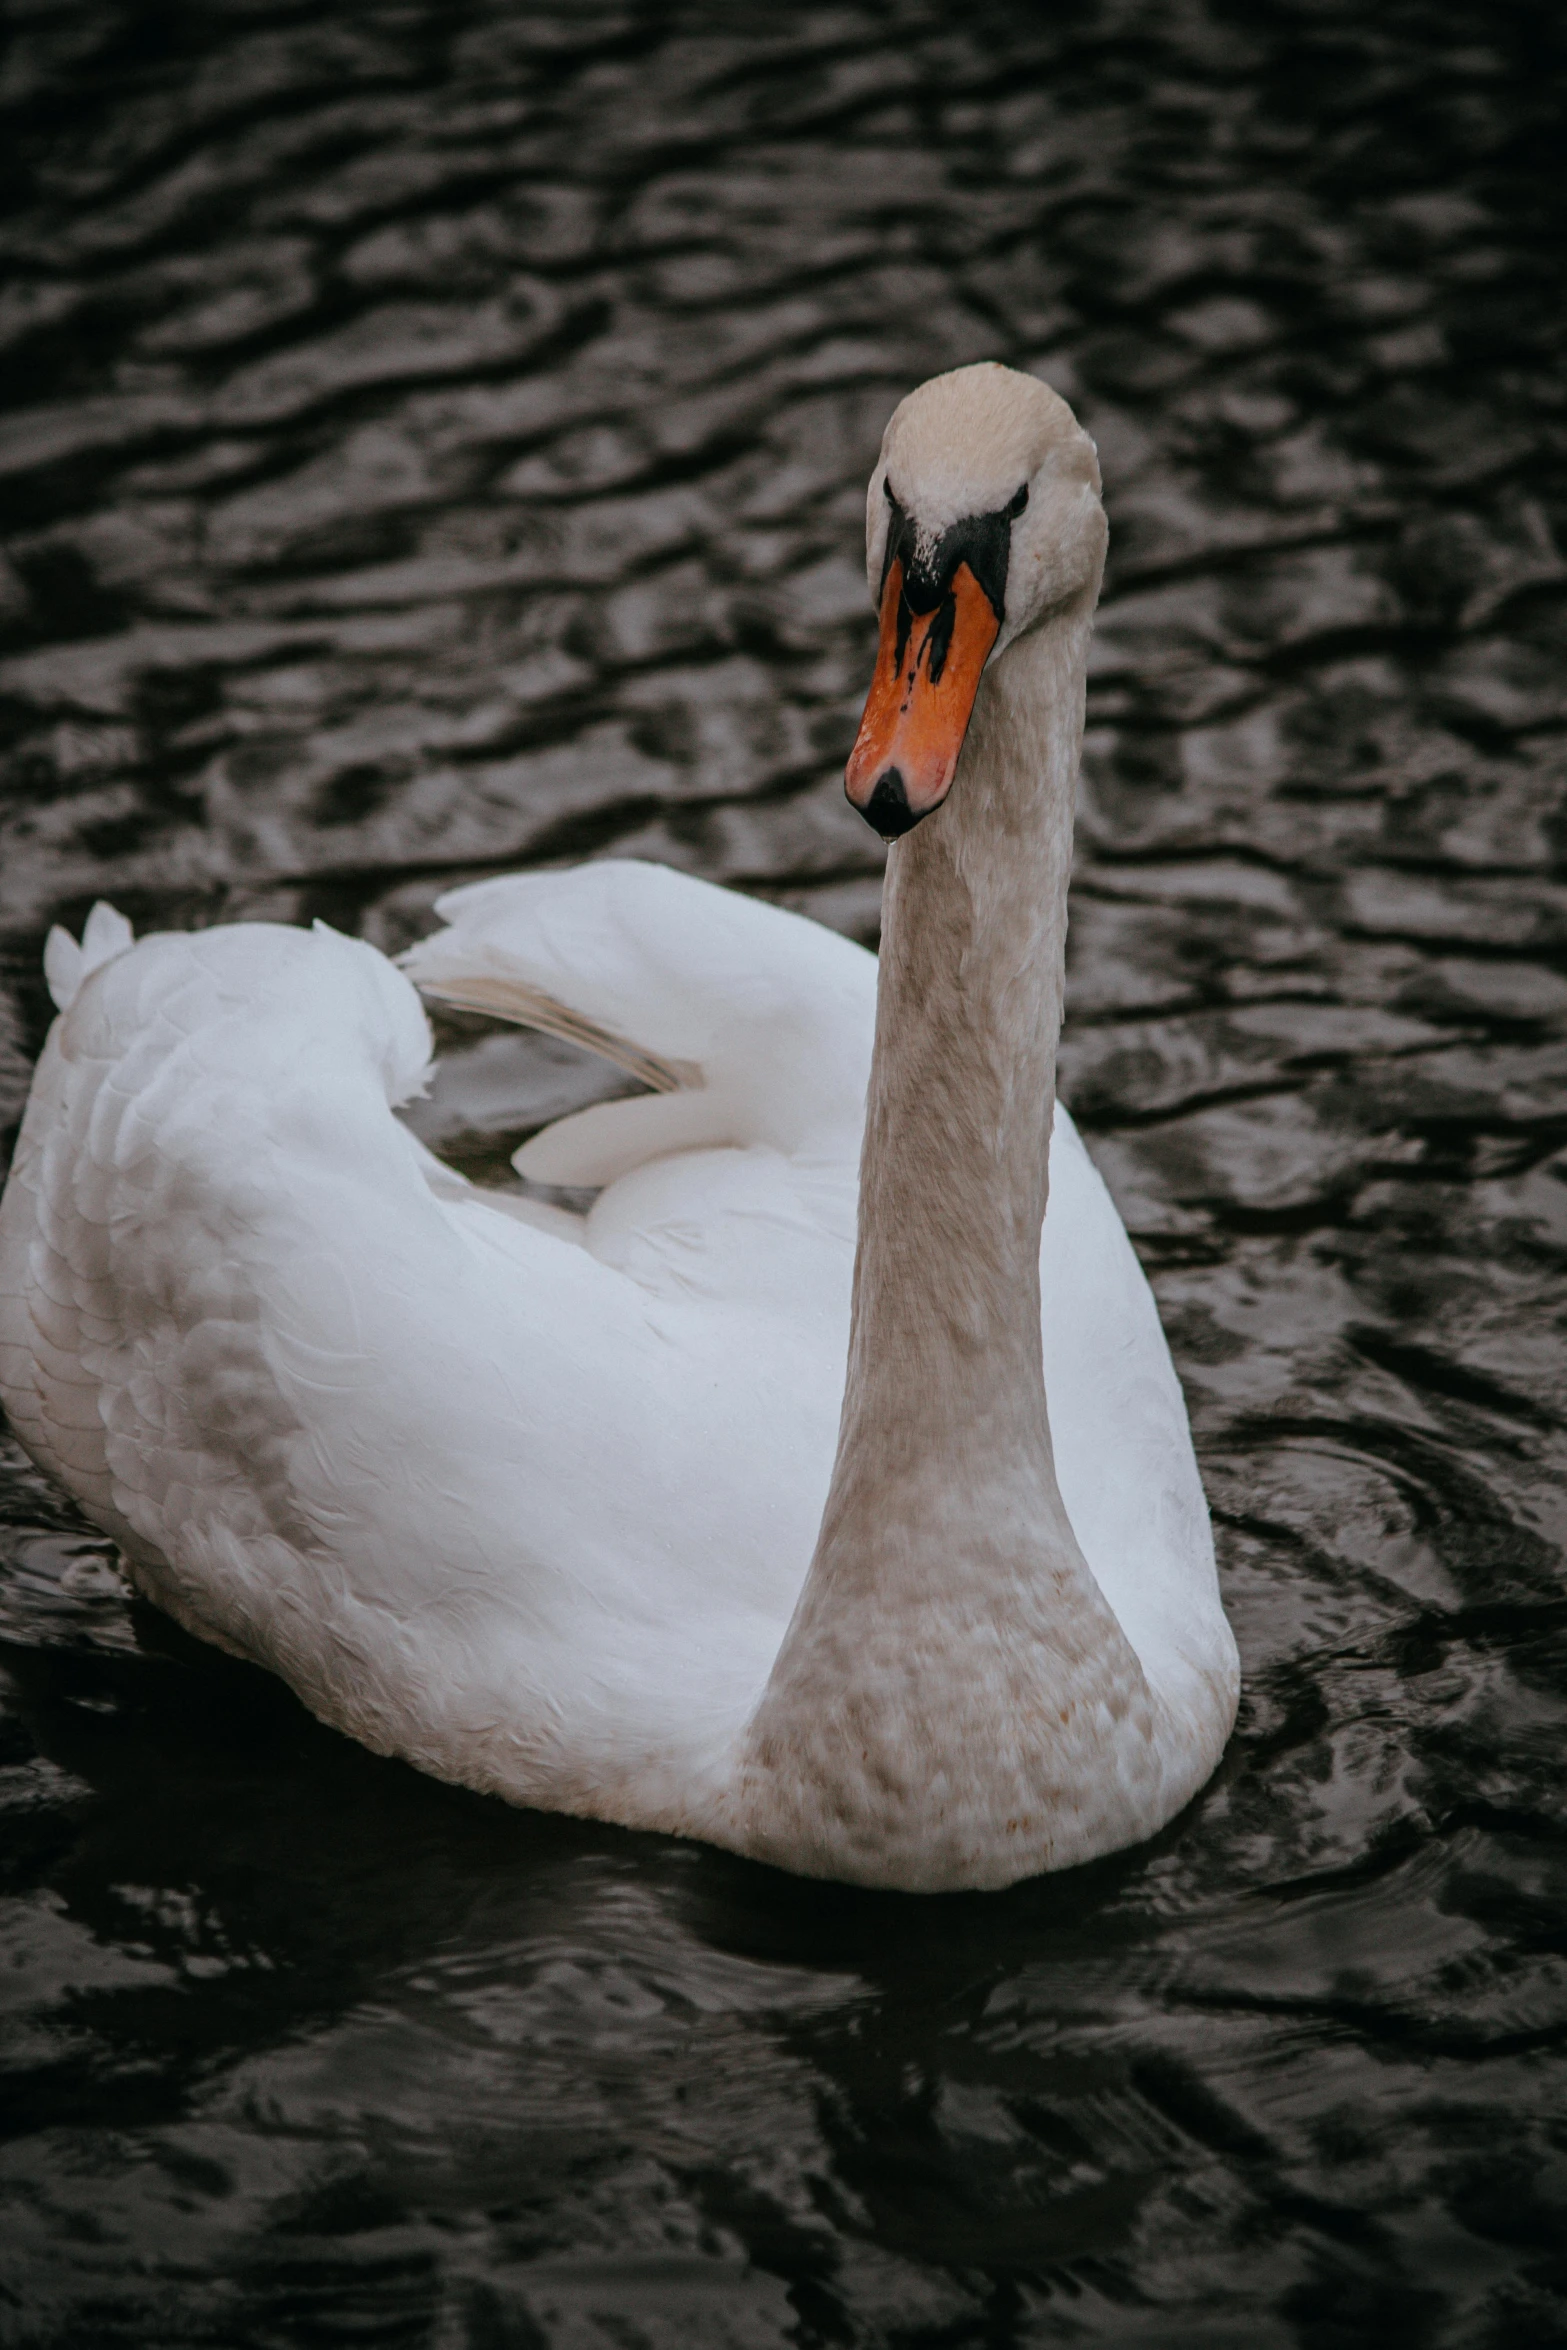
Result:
pixel 945 1383
pixel 937 1711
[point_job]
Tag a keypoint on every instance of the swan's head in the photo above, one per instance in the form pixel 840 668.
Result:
pixel 982 519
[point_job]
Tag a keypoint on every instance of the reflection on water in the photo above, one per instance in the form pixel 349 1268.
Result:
pixel 433 439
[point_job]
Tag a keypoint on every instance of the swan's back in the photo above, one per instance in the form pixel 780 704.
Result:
pixel 482 1499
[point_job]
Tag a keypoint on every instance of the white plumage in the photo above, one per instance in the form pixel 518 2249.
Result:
pixel 526 1498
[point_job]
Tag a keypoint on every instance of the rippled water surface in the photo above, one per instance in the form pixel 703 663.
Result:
pixel 433 440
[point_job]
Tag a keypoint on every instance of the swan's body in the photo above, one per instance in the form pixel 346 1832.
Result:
pixel 532 1502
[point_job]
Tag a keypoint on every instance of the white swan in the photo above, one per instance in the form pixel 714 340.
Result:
pixel 538 1502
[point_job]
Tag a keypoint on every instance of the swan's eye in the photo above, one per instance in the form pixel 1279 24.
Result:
pixel 1018 504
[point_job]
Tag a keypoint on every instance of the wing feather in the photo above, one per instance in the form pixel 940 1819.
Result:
pixel 693 989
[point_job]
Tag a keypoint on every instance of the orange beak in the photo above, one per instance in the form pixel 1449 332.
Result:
pixel 928 667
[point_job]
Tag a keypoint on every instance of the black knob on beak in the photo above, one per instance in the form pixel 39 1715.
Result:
pixel 887 811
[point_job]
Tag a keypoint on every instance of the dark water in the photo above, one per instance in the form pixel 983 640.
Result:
pixel 433 441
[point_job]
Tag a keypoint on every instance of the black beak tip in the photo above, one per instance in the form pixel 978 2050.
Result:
pixel 887 811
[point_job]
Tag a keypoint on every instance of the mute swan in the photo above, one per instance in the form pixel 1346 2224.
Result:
pixel 537 1502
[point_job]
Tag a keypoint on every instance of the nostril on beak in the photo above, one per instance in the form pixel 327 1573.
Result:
pixel 887 811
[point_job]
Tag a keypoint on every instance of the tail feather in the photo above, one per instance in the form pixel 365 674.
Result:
pixel 67 964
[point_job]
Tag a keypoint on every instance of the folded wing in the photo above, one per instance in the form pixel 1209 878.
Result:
pixel 748 1024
